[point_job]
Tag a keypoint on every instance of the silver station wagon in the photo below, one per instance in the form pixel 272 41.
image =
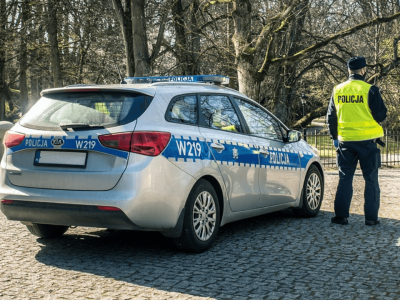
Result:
pixel 181 155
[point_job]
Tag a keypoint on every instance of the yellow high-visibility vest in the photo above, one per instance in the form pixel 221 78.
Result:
pixel 355 121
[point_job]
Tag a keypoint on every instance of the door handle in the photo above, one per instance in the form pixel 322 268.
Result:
pixel 217 146
pixel 264 152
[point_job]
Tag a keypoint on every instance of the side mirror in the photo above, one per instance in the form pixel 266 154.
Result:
pixel 294 136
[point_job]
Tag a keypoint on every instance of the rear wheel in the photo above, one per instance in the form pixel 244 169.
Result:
pixel 202 218
pixel 312 195
pixel 47 231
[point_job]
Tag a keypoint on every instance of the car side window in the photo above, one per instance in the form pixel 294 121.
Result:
pixel 260 123
pixel 183 109
pixel 219 113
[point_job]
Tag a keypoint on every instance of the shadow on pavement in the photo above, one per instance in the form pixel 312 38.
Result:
pixel 275 255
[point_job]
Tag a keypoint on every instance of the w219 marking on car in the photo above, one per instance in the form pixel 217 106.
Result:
pixel 178 155
pixel 85 144
pixel 196 147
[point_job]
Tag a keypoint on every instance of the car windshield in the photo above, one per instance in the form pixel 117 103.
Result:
pixel 85 110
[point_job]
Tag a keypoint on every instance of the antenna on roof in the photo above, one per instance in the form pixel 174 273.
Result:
pixel 120 76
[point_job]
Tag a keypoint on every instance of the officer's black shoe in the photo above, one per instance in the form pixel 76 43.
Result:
pixel 372 223
pixel 340 220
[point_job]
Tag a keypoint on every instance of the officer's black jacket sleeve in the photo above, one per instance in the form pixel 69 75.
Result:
pixel 331 119
pixel 376 104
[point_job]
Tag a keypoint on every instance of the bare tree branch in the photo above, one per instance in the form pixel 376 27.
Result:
pixel 319 112
pixel 328 40
pixel 160 37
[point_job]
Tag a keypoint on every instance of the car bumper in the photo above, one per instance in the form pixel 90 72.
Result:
pixel 66 214
pixel 151 196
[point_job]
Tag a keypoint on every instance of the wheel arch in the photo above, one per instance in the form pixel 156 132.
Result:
pixel 217 187
pixel 320 169
pixel 303 209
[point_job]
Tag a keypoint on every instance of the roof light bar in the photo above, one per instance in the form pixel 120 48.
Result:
pixel 217 79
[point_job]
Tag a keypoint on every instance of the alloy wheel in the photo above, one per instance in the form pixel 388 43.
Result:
pixel 204 216
pixel 313 191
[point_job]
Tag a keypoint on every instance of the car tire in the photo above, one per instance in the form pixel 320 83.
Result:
pixel 312 194
pixel 201 219
pixel 47 231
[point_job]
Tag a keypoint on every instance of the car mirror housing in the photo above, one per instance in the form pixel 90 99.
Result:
pixel 294 136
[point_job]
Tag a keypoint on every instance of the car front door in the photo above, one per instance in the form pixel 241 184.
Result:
pixel 280 170
pixel 234 151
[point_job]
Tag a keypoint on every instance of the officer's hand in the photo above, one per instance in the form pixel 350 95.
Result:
pixel 336 143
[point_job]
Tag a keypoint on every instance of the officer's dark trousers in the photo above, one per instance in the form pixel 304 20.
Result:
pixel 348 154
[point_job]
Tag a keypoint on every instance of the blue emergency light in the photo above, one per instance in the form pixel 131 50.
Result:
pixel 217 79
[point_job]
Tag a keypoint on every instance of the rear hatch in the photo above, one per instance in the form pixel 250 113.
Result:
pixel 74 139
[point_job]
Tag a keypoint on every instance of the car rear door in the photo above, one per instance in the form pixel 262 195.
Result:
pixel 233 150
pixel 76 140
pixel 187 148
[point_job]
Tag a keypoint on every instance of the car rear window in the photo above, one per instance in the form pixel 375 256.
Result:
pixel 103 108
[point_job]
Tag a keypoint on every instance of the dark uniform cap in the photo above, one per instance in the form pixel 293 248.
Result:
pixel 356 63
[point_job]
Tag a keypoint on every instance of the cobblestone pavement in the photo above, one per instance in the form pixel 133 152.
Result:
pixel 276 256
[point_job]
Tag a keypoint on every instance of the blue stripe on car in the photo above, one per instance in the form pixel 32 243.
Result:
pixel 188 149
pixel 70 143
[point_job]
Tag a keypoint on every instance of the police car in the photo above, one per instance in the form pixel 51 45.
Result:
pixel 181 155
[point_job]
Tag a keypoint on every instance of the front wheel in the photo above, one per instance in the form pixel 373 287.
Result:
pixel 312 195
pixel 202 218
pixel 47 231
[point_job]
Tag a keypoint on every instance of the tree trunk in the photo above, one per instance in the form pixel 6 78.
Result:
pixel 180 39
pixel 248 85
pixel 41 35
pixel 3 85
pixel 23 59
pixel 65 37
pixel 194 39
pixel 290 45
pixel 53 39
pixel 241 38
pixel 140 47
pixel 125 21
pixel 281 35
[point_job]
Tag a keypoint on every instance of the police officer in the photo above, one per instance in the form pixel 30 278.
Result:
pixel 353 117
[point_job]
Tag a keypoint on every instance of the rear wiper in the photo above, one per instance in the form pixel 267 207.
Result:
pixel 79 126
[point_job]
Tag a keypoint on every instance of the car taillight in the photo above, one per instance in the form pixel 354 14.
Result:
pixel 7 201
pixel 108 208
pixel 150 143
pixel 13 139
pixel 121 141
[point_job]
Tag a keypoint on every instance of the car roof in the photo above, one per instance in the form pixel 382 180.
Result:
pixel 142 88
pixel 151 89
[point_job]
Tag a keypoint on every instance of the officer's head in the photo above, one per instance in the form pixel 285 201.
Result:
pixel 357 65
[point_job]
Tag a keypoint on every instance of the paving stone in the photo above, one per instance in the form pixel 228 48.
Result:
pixel 275 256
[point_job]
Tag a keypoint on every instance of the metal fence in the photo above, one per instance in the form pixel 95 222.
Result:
pixel 390 155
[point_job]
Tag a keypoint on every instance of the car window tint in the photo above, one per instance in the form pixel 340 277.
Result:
pixel 218 113
pixel 259 121
pixel 183 109
pixel 92 108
